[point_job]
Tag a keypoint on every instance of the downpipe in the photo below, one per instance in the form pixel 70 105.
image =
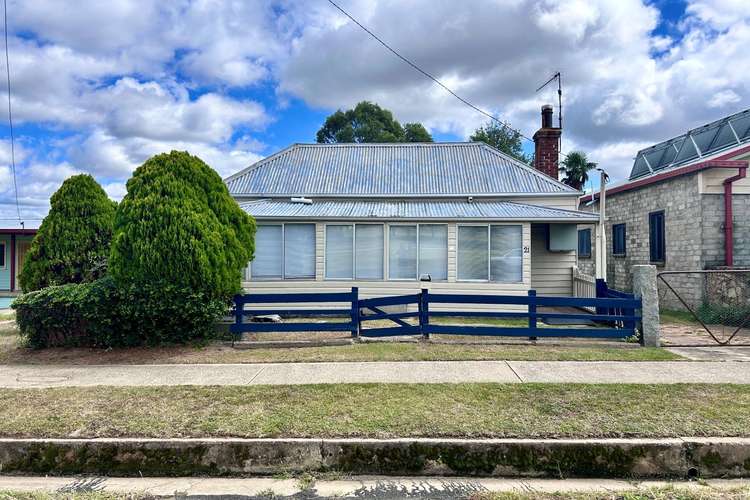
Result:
pixel 729 216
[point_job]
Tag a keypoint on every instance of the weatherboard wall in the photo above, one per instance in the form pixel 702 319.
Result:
pixel 551 271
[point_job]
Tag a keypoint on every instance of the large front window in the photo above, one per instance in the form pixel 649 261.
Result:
pixel 402 253
pixel 490 253
pixel 284 251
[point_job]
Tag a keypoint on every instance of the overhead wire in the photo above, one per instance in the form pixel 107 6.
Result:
pixel 10 111
pixel 428 75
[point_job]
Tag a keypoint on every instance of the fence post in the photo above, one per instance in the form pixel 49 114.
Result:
pixel 532 313
pixel 644 288
pixel 601 293
pixel 424 313
pixel 239 307
pixel 355 312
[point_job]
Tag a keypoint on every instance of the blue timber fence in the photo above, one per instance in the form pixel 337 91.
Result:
pixel 616 314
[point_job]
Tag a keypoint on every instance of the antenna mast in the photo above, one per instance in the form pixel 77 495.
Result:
pixel 557 76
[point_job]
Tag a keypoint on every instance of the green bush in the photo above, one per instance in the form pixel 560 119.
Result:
pixel 72 244
pixel 732 315
pixel 105 314
pixel 178 226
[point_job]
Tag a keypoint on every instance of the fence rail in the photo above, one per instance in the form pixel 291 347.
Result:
pixel 616 314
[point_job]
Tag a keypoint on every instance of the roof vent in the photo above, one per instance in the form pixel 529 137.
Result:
pixel 303 200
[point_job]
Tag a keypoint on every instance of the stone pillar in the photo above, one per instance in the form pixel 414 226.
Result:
pixel 644 287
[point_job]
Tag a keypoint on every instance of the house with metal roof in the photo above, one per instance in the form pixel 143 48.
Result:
pixel 394 218
pixel 685 207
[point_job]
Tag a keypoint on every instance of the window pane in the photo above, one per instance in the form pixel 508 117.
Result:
pixel 506 254
pixel 299 251
pixel 268 252
pixel 433 251
pixel 402 252
pixel 369 258
pixel 472 252
pixel 339 251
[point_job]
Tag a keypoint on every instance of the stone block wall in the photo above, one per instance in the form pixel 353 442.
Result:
pixel 712 206
pixel 681 203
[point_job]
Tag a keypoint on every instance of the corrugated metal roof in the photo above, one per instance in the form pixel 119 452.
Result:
pixel 416 210
pixel 403 169
pixel 697 144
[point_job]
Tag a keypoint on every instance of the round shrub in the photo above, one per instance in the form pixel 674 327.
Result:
pixel 179 227
pixel 105 314
pixel 72 244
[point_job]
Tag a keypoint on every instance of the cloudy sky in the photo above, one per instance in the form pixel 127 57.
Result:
pixel 98 86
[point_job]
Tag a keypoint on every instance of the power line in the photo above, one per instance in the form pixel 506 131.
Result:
pixel 428 75
pixel 10 112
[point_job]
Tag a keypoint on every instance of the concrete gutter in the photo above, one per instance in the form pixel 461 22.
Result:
pixel 611 458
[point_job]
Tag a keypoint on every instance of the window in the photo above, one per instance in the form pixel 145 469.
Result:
pixel 402 252
pixel 473 261
pixel 268 262
pixel 368 251
pixel 493 253
pixel 299 251
pixel 433 251
pixel 584 243
pixel 340 251
pixel 506 257
pixel 618 239
pixel 657 243
pixel 284 251
pixel 2 255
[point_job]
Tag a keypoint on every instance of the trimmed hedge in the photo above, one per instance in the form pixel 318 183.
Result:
pixel 104 314
pixel 178 225
pixel 72 244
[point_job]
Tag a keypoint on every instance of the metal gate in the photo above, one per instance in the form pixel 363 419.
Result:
pixel 705 307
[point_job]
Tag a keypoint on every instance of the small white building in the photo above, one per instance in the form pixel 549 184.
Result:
pixel 394 218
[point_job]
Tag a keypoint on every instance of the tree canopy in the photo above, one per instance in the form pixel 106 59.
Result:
pixel 575 167
pixel 72 243
pixel 368 122
pixel 503 138
pixel 178 226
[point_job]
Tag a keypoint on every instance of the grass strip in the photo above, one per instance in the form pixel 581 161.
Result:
pixel 380 411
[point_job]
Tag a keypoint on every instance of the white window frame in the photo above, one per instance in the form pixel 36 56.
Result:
pixel 489 279
pixel 386 250
pixel 447 249
pixel 354 250
pixel 283 253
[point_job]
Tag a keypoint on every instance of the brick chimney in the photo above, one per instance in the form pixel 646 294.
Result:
pixel 547 144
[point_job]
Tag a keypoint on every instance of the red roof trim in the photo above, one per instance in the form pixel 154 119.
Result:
pixel 723 161
pixel 18 231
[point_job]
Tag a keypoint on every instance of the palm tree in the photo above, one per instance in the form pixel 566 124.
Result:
pixel 575 168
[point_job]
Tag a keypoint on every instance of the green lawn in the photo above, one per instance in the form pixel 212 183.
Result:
pixel 12 352
pixel 378 410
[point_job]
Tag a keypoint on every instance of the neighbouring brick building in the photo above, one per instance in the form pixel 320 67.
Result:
pixel 673 210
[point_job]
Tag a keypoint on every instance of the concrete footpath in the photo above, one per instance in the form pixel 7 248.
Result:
pixel 369 487
pixel 591 372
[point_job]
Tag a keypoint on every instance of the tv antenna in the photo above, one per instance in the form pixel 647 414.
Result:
pixel 557 76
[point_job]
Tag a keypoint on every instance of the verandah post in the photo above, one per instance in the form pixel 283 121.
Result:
pixel 355 311
pixel 424 313
pixel 532 314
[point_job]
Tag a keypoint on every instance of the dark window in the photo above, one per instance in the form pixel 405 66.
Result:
pixel 2 255
pixel 657 243
pixel 618 239
pixel 584 243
